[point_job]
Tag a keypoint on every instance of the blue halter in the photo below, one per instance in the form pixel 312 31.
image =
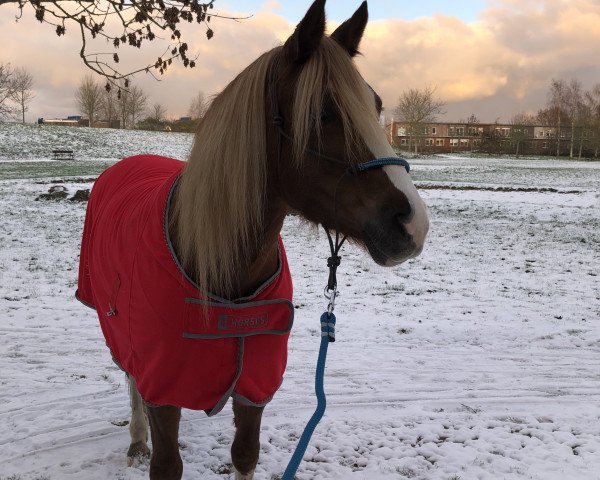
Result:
pixel 382 162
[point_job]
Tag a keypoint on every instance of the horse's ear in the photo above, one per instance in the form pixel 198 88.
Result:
pixel 308 34
pixel 349 33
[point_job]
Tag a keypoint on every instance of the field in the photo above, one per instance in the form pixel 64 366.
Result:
pixel 480 360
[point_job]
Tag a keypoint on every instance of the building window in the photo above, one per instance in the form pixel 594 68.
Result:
pixel 454 142
pixel 429 142
pixel 545 145
pixel 464 142
pixel 403 141
pixel 439 142
pixel 401 132
pixel 433 130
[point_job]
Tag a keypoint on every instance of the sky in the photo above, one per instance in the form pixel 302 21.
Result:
pixel 491 58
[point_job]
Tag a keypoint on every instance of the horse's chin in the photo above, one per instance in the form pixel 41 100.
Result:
pixel 388 253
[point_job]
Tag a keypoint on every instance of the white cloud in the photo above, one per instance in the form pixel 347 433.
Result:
pixel 501 63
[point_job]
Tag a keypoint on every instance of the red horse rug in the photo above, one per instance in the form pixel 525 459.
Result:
pixel 155 318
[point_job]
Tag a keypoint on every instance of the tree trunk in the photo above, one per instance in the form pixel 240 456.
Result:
pixel 572 138
pixel 558 139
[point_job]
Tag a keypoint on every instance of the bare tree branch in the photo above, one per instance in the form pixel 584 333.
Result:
pixel 126 23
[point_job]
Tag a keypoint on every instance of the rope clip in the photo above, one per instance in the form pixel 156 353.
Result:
pixel 331 295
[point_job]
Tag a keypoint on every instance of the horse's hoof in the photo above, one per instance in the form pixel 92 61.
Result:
pixel 239 476
pixel 137 452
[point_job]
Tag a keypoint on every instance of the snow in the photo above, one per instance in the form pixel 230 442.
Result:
pixel 478 360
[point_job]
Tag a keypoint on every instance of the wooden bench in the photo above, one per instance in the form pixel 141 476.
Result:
pixel 60 154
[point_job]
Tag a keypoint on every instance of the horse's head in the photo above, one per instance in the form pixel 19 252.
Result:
pixel 327 119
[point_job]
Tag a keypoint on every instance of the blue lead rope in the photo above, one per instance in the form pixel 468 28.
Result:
pixel 327 335
pixel 328 318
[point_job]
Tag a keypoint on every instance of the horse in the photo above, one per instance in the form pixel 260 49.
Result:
pixel 183 261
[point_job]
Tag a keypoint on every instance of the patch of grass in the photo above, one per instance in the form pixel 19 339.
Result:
pixel 406 472
pixel 224 469
pixel 497 189
pixel 19 477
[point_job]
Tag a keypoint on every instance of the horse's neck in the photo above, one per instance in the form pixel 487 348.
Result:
pixel 265 261
pixel 254 271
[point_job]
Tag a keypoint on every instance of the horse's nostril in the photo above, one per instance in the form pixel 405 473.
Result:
pixel 403 217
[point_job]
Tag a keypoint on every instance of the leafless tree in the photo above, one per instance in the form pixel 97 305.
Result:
pixel 574 106
pixel 138 101
pixel 124 103
pixel 6 90
pixel 158 112
pixel 521 124
pixel 416 108
pixel 472 129
pixel 557 106
pixel 132 104
pixel 199 105
pixel 129 23
pixel 22 90
pixel 591 102
pixel 89 98
pixel 109 106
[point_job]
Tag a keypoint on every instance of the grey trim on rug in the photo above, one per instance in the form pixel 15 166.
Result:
pixel 248 403
pixel 221 403
pixel 89 305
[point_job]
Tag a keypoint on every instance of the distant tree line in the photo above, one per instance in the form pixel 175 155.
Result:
pixel 16 92
pixel 129 107
pixel 571 115
pixel 571 109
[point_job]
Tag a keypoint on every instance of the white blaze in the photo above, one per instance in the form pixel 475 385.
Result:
pixel 418 224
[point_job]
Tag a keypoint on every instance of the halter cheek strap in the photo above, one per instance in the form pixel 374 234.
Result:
pixel 353 168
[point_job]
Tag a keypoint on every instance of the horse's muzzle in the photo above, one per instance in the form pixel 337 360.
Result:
pixel 389 243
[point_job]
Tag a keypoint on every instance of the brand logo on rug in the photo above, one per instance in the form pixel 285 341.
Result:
pixel 242 322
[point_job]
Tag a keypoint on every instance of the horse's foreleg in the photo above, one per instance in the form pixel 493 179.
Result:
pixel 138 427
pixel 246 444
pixel 165 463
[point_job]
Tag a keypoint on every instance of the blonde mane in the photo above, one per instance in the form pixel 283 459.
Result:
pixel 220 198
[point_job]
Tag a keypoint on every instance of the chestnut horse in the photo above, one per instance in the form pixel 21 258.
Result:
pixel 285 135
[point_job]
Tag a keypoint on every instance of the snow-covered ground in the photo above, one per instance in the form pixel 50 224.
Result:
pixel 478 360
